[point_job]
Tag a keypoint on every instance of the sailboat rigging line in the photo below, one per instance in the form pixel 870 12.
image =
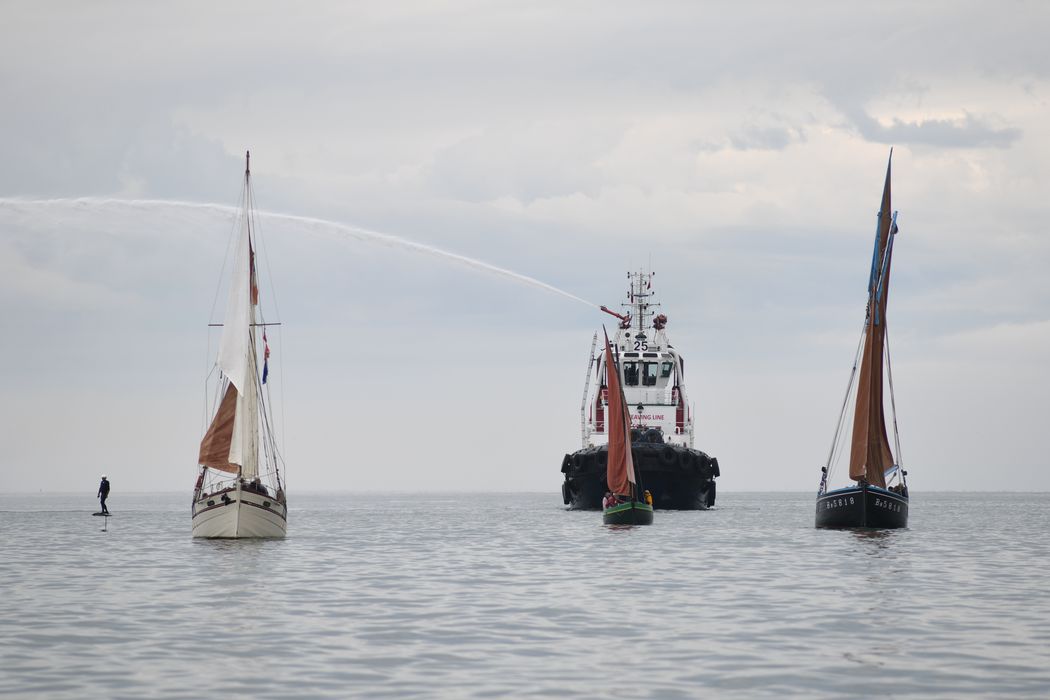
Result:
pixel 281 385
pixel 875 285
pixel 266 258
pixel 893 400
pixel 268 447
pixel 845 400
pixel 208 363
pixel 226 256
pixel 885 265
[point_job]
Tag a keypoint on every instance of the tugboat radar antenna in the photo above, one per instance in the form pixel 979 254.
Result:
pixel 639 298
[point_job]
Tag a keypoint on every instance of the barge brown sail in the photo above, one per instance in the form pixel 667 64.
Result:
pixel 880 496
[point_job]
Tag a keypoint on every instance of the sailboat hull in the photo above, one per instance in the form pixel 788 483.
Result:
pixel 234 513
pixel 631 513
pixel 862 506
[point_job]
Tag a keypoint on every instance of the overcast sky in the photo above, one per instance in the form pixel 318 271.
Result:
pixel 739 147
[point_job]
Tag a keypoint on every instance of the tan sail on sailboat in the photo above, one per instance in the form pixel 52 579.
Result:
pixel 870 455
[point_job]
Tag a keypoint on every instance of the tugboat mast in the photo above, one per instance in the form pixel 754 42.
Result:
pixel 639 308
pixel 639 295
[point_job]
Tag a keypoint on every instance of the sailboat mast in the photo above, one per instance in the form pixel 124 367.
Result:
pixel 893 405
pixel 264 443
pixel 870 455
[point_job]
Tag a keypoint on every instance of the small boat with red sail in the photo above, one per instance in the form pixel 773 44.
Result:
pixel 879 496
pixel 625 503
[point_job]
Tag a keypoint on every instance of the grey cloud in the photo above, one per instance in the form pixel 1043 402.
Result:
pixel 139 154
pixel 526 161
pixel 967 132
pixel 753 138
pixel 765 138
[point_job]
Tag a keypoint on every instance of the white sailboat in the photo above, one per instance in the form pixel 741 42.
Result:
pixel 239 490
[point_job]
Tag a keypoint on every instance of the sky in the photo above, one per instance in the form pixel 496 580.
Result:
pixel 737 149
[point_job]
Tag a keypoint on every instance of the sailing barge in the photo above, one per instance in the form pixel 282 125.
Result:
pixel 652 374
pixel 879 498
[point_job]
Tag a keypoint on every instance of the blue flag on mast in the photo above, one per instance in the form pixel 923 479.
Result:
pixel 266 358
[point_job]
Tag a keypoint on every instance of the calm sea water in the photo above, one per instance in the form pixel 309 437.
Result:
pixel 510 595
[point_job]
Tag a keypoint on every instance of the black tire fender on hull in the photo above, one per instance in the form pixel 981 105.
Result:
pixel 679 478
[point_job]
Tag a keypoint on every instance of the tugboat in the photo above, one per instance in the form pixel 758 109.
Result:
pixel 653 379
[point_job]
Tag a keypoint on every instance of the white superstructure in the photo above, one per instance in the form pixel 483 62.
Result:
pixel 652 373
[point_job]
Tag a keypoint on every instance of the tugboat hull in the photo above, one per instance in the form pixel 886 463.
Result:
pixel 677 477
pixel 862 506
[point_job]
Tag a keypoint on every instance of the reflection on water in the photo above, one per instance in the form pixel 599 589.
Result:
pixel 877 543
pixel 870 534
pixel 417 595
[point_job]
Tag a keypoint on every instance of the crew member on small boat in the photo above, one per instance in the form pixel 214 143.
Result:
pixel 103 493
pixel 648 497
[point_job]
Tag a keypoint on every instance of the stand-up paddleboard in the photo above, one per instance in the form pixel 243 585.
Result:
pixel 105 514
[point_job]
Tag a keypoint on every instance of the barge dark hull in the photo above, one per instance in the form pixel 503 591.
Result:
pixel 862 506
pixel 678 478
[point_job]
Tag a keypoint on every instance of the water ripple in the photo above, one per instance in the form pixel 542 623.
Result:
pixel 509 595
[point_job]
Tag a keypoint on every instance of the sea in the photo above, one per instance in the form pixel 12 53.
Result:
pixel 509 595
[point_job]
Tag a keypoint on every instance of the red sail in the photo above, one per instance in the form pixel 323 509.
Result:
pixel 620 467
pixel 215 447
pixel 870 454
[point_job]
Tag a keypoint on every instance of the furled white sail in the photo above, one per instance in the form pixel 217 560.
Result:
pixel 237 358
pixel 235 346
pixel 244 447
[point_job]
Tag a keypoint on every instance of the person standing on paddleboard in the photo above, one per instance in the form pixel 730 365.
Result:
pixel 103 493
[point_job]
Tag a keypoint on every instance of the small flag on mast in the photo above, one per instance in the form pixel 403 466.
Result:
pixel 266 358
pixel 255 285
